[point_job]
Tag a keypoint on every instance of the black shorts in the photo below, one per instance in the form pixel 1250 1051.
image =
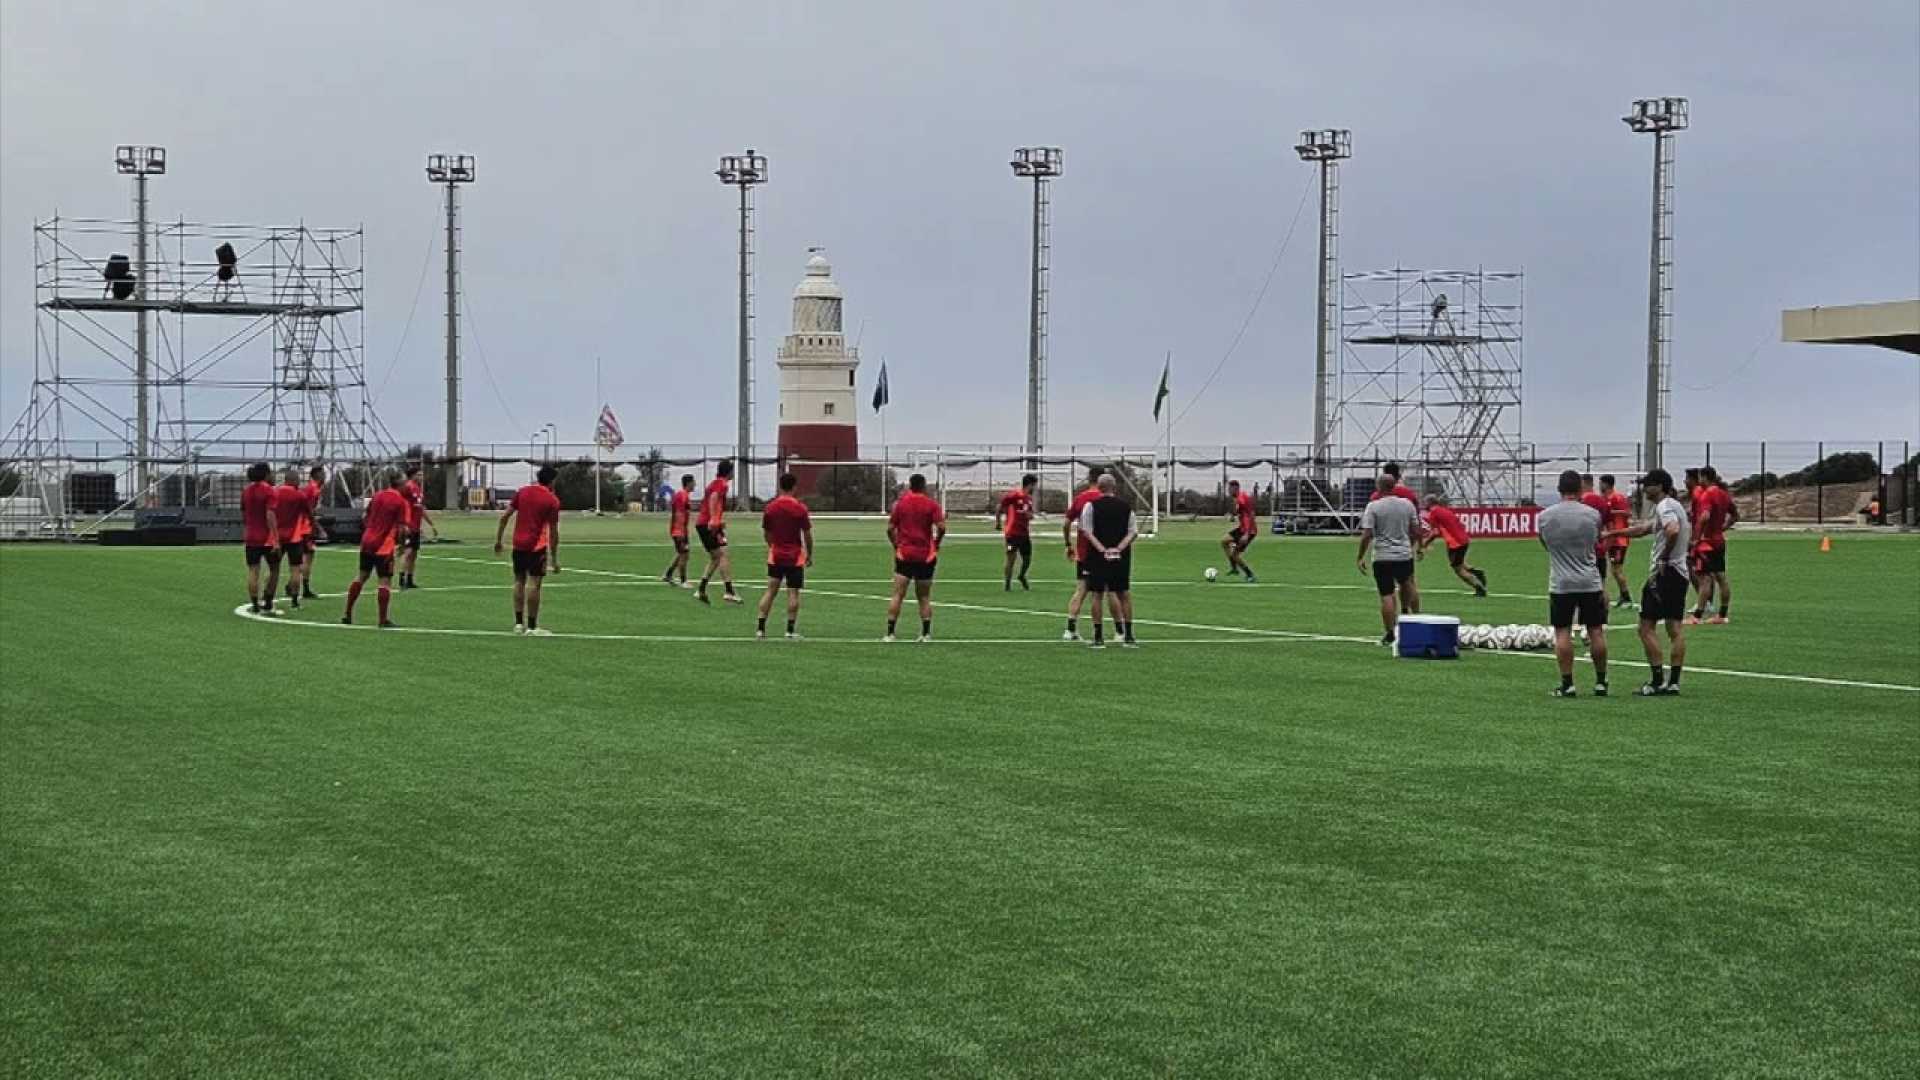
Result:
pixel 294 550
pixel 680 545
pixel 1083 569
pixel 1457 557
pixel 269 552
pixel 529 564
pixel 1711 561
pixel 793 576
pixel 711 538
pixel 1023 545
pixel 1110 575
pixel 1664 597
pixel 1589 607
pixel 1388 576
pixel 380 565
pixel 1242 539
pixel 1617 554
pixel 413 538
pixel 914 571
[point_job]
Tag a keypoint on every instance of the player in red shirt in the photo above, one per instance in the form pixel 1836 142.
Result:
pixel 310 493
pixel 261 529
pixel 294 523
pixel 678 511
pixel 1241 536
pixel 1598 502
pixel 1444 524
pixel 712 527
pixel 382 531
pixel 788 529
pixel 1714 512
pixel 1016 512
pixel 416 516
pixel 916 529
pixel 536 546
pixel 1617 517
pixel 1078 551
pixel 1400 490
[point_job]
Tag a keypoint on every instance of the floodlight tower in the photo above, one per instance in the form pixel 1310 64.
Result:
pixel 1328 147
pixel 745 171
pixel 1041 164
pixel 140 162
pixel 1661 118
pixel 452 170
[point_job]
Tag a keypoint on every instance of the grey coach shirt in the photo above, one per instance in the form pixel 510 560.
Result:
pixel 1571 530
pixel 1391 518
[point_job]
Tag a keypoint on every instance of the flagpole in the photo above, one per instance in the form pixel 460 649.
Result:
pixel 1169 376
pixel 596 438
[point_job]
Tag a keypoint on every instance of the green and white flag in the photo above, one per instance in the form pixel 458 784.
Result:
pixel 1160 398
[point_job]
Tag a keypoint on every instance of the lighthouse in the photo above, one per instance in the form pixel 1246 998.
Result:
pixel 819 413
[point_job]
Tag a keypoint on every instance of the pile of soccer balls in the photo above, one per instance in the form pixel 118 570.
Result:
pixel 1511 637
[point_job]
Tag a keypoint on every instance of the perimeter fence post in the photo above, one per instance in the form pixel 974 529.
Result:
pixel 1763 481
pixel 1819 483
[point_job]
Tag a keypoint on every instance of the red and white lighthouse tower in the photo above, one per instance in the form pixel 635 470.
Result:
pixel 819 411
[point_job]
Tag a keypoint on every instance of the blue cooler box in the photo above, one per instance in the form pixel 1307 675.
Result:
pixel 1428 637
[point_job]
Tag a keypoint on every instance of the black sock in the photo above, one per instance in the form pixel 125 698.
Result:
pixel 763 625
pixel 727 587
pixel 1699 611
pixel 926 627
pixel 1073 626
pixel 1659 677
pixel 1673 675
pixel 532 621
pixel 1566 682
pixel 703 582
pixel 1723 610
pixel 890 624
pixel 519 617
pixel 1600 674
pixel 790 623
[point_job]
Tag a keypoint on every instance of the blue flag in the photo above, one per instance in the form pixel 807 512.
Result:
pixel 880 397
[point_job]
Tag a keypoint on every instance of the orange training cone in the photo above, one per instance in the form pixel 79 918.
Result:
pixel 1826 543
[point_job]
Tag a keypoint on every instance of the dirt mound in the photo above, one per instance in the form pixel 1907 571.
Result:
pixel 1835 501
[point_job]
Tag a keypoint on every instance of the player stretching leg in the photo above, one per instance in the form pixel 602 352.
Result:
pixel 1388 527
pixel 381 532
pixel 788 529
pixel 1016 512
pixel 1444 523
pixel 536 538
pixel 1663 599
pixel 1241 536
pixel 1077 550
pixel 1108 524
pixel 677 531
pixel 1619 515
pixel 290 512
pixel 261 536
pixel 915 529
pixel 712 527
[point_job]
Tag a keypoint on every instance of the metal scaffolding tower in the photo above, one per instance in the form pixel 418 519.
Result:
pixel 1041 164
pixel 745 172
pixel 1328 147
pixel 1661 118
pixel 450 171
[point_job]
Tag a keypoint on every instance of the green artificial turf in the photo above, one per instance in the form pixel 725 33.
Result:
pixel 1257 846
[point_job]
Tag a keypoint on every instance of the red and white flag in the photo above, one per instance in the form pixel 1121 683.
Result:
pixel 607 432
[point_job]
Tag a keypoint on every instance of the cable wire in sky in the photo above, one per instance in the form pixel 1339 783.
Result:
pixel 394 362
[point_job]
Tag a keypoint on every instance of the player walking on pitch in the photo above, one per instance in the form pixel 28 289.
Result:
pixel 416 516
pixel 1014 517
pixel 311 491
pixel 381 533
pixel 261 536
pixel 1241 536
pixel 290 513
pixel 1447 524
pixel 1387 526
pixel 536 544
pixel 679 510
pixel 788 529
pixel 1619 515
pixel 916 529
pixel 1663 599
pixel 1569 529
pixel 712 527
pixel 1713 512
pixel 1107 523
pixel 1077 550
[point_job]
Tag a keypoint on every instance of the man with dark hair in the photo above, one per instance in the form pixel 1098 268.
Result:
pixel 712 527
pixel 1446 525
pixel 1663 599
pixel 788 529
pixel 290 514
pixel 1244 527
pixel 1107 523
pixel 679 511
pixel 1388 526
pixel 536 541
pixel 1619 515
pixel 261 536
pixel 1569 530
pixel 1392 468
pixel 916 529
pixel 1014 517
pixel 1711 518
pixel 381 533
pixel 416 516
pixel 1077 550
pixel 311 491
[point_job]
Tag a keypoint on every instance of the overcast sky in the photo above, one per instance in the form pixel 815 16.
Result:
pixel 1484 135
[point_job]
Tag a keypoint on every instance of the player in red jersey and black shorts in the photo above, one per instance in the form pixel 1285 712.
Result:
pixel 417 516
pixel 788 529
pixel 1078 550
pixel 536 547
pixel 712 527
pixel 1713 513
pixel 382 530
pixel 311 491
pixel 260 533
pixel 1617 518
pixel 1241 536
pixel 290 514
pixel 678 511
pixel 915 529
pixel 1444 524
pixel 1014 517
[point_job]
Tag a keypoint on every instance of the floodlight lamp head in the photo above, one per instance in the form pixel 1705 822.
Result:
pixel 1326 144
pixel 140 160
pixel 743 170
pixel 450 168
pixel 1657 115
pixel 1038 162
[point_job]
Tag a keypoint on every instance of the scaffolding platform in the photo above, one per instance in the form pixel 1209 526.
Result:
pixel 182 306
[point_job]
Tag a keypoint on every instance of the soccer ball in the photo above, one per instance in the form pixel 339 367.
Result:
pixel 1503 636
pixel 1212 573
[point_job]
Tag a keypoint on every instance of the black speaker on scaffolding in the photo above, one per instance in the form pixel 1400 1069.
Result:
pixel 119 275
pixel 229 262
pixel 92 492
